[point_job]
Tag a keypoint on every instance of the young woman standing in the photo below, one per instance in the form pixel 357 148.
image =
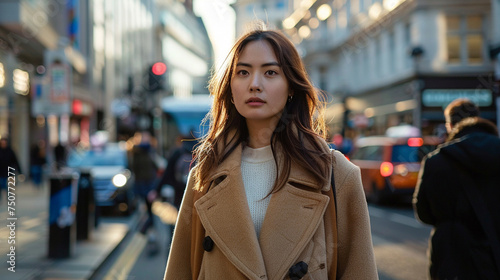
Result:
pixel 259 202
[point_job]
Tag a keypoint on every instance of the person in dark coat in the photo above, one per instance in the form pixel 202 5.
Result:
pixel 37 160
pixel 60 154
pixel 178 165
pixel 459 246
pixel 144 169
pixel 8 163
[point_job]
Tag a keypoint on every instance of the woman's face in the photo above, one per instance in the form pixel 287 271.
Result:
pixel 259 86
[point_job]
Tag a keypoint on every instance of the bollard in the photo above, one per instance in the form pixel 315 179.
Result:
pixel 85 207
pixel 62 228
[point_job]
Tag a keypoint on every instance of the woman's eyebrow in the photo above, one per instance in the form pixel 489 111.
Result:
pixel 273 63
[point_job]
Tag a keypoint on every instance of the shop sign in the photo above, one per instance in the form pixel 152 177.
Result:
pixel 443 97
pixel 60 84
pixel 42 103
pixel 52 92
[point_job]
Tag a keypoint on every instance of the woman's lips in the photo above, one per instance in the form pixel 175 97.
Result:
pixel 255 101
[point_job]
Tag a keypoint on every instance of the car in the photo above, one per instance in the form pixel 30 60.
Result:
pixel 390 165
pixel 111 178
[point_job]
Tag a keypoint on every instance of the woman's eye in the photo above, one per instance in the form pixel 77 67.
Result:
pixel 271 72
pixel 242 72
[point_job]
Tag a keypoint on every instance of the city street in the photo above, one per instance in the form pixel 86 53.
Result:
pixel 110 104
pixel 400 243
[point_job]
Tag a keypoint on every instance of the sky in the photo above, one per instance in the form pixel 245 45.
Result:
pixel 219 19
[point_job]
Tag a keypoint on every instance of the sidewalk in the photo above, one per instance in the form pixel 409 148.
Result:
pixel 32 235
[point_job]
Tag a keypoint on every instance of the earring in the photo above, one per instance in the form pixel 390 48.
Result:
pixel 290 97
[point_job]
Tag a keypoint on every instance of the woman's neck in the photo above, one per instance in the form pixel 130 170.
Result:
pixel 259 133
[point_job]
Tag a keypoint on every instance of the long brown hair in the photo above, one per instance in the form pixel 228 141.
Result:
pixel 300 125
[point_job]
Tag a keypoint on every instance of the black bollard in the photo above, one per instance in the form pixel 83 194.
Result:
pixel 62 208
pixel 85 207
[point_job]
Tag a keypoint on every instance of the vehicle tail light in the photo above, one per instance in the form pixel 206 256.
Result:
pixel 386 169
pixel 415 142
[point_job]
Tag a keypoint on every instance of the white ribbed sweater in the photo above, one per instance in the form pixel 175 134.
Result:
pixel 258 170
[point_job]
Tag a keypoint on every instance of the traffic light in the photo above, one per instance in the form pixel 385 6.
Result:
pixel 156 75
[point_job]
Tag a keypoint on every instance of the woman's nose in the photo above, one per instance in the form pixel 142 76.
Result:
pixel 255 85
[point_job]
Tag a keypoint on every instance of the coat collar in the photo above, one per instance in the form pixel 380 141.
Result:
pixel 297 174
pixel 292 218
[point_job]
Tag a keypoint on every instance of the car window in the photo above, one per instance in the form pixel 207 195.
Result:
pixel 369 153
pixel 405 153
pixel 97 158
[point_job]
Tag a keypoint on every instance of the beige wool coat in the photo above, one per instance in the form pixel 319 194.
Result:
pixel 215 237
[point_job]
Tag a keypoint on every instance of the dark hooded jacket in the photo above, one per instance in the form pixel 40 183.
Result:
pixel 459 248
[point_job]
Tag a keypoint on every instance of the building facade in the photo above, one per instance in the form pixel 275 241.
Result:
pixel 187 51
pixel 45 90
pixel 71 68
pixel 251 12
pixel 390 62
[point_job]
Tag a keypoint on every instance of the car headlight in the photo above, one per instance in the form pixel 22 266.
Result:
pixel 119 180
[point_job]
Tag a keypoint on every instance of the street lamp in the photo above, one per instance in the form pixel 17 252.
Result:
pixel 323 12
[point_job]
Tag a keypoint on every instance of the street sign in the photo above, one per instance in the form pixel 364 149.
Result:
pixel 52 92
pixel 59 83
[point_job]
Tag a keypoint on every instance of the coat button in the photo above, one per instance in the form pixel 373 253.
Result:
pixel 298 270
pixel 208 244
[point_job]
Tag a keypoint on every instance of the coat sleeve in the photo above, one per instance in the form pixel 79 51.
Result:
pixel 179 258
pixel 420 201
pixel 356 259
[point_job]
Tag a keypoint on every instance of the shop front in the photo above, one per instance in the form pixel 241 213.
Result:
pixel 438 92
pixel 371 113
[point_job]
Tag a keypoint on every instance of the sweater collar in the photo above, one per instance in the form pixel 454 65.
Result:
pixel 298 175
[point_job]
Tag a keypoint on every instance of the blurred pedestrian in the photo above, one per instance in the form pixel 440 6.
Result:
pixel 144 168
pixel 177 170
pixel 343 145
pixel 259 203
pixel 60 155
pixel 8 163
pixel 37 160
pixel 458 192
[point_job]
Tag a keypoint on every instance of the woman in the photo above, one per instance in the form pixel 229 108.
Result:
pixel 258 203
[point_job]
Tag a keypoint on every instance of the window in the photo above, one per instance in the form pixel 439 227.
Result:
pixel 465 39
pixel 408 44
pixel 369 153
pixel 405 153
pixel 392 51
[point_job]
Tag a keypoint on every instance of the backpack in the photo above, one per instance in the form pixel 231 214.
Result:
pixel 182 167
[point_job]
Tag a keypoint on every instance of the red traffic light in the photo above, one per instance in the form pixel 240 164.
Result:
pixel 159 68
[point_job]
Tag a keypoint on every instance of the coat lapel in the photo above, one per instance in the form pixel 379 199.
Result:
pixel 292 218
pixel 226 218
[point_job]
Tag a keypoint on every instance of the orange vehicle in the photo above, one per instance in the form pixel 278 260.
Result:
pixel 390 165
